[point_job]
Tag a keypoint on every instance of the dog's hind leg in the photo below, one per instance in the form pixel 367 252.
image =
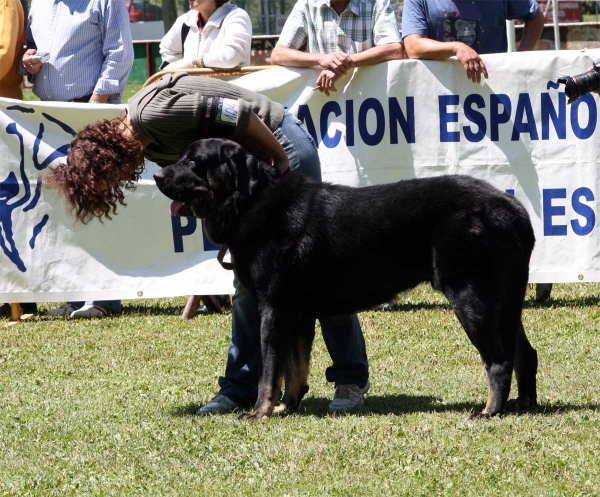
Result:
pixel 512 332
pixel 297 365
pixel 526 363
pixel 480 321
pixel 275 325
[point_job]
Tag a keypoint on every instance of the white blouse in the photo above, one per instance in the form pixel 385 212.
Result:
pixel 225 40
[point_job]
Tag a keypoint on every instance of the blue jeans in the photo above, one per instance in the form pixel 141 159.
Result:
pixel 342 334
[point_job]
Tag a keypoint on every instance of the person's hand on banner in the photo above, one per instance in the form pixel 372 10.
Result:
pixel 338 62
pixel 472 63
pixel 326 81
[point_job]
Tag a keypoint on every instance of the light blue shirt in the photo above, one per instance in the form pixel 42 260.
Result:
pixel 90 48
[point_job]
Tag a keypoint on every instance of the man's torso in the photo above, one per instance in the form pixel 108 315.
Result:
pixel 358 28
pixel 480 24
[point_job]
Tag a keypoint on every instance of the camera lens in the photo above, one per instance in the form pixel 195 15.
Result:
pixel 587 82
pixel 581 84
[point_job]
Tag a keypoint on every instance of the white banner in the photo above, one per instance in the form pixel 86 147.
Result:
pixel 387 122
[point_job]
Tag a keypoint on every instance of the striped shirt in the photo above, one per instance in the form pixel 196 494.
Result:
pixel 90 48
pixel 313 26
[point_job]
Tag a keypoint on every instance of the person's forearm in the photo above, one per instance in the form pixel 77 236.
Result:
pixel 181 64
pixel 285 56
pixel 419 47
pixel 102 99
pixel 532 31
pixel 262 137
pixel 380 53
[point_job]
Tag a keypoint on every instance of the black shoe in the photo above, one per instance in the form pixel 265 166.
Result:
pixel 543 291
pixel 29 308
pixel 26 308
pixel 5 310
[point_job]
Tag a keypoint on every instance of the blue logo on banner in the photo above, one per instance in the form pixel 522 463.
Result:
pixel 11 196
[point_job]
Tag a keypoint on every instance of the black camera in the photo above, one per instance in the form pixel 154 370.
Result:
pixel 582 84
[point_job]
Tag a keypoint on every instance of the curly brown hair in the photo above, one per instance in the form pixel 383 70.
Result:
pixel 102 162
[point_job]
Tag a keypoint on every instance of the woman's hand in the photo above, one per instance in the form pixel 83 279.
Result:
pixel 282 165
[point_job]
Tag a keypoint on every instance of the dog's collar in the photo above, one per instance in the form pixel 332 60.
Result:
pixel 228 266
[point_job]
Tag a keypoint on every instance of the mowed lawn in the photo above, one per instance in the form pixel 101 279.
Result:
pixel 106 407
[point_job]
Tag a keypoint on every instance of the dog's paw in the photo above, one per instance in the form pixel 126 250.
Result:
pixel 476 416
pixel 289 404
pixel 253 416
pixel 520 404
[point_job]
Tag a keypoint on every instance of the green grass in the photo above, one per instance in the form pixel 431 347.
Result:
pixel 105 407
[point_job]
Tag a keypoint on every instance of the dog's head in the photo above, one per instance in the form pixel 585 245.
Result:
pixel 210 174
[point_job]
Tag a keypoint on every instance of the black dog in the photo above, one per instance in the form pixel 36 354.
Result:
pixel 307 249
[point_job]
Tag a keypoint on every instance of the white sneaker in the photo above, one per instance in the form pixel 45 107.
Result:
pixel 63 310
pixel 348 398
pixel 218 405
pixel 90 311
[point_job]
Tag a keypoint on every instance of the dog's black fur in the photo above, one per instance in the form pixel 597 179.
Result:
pixel 307 249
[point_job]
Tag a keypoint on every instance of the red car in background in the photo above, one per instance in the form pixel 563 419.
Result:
pixel 137 10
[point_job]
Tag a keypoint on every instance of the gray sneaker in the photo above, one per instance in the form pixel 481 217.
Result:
pixel 89 311
pixel 63 310
pixel 218 405
pixel 348 398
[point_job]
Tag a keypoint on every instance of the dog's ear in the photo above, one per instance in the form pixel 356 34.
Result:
pixel 245 168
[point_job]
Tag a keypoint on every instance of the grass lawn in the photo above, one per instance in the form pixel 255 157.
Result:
pixel 106 407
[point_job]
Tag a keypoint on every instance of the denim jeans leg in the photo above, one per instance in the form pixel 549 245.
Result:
pixel 242 371
pixel 299 147
pixel 346 346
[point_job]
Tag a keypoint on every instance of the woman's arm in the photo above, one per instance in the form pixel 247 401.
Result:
pixel 265 140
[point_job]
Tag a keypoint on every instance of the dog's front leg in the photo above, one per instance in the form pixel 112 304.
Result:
pixel 297 364
pixel 274 326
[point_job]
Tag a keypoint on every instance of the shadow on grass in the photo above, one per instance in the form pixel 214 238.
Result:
pixel 136 308
pixel 529 303
pixel 185 410
pixel 396 405
pixel 562 302
pixel 151 310
pixel 407 307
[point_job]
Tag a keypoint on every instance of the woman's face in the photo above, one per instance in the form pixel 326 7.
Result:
pixel 128 171
pixel 197 4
